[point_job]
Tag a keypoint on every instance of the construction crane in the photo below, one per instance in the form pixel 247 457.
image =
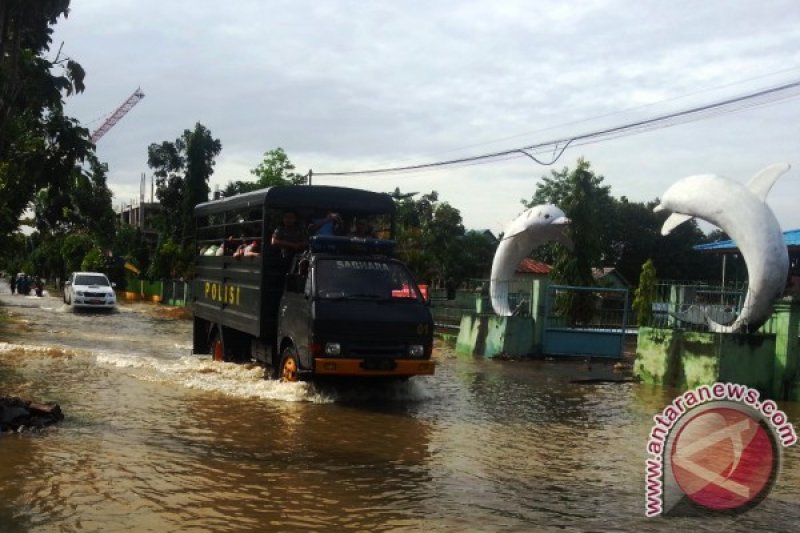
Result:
pixel 117 115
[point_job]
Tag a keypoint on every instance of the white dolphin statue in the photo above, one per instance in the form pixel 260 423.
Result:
pixel 534 227
pixel 740 212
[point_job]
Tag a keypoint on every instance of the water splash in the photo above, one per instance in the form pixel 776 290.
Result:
pixel 243 381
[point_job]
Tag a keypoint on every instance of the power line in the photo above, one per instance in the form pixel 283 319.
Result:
pixel 731 105
pixel 621 111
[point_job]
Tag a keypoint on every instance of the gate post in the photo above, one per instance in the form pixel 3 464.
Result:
pixel 539 308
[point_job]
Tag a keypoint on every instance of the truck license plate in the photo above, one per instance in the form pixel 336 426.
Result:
pixel 378 364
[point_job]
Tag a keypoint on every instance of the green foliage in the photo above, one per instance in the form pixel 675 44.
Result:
pixel 39 146
pixel 432 241
pixel 586 201
pixel 171 261
pixel 131 245
pixel 636 237
pixel 80 204
pixel 274 169
pixel 93 261
pixel 182 169
pixel 645 294
pixel 44 257
pixel 73 250
pixel 607 231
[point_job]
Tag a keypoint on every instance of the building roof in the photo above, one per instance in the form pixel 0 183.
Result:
pixel 532 266
pixel 791 237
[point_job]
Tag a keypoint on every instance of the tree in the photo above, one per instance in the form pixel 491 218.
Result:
pixel 73 249
pixel 645 294
pixel 587 203
pixel 81 203
pixel 432 241
pixel 131 245
pixel 39 146
pixel 182 169
pixel 611 232
pixel 274 169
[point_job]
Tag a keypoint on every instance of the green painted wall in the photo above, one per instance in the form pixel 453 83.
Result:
pixel 769 362
pixel 490 336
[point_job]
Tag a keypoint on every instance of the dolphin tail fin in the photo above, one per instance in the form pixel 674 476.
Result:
pixel 762 182
pixel 674 220
pixel 716 327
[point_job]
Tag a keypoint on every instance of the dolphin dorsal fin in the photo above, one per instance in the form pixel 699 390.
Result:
pixel 673 221
pixel 762 181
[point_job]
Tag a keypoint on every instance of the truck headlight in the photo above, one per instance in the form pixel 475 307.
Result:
pixel 333 348
pixel 416 350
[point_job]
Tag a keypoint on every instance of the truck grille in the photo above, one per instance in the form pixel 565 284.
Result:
pixel 361 350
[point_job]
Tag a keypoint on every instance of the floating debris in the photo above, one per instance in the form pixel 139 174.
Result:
pixel 18 415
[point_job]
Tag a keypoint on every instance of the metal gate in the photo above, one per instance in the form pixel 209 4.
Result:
pixel 585 321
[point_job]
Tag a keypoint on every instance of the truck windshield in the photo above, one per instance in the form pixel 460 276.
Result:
pixel 364 279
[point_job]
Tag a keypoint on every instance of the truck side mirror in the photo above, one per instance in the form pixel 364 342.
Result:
pixel 423 290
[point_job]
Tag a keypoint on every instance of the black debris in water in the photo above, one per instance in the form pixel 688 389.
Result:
pixel 18 415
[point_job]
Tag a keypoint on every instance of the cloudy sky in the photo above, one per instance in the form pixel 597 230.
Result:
pixel 349 85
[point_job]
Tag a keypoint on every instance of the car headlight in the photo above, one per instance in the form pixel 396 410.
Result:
pixel 333 348
pixel 416 350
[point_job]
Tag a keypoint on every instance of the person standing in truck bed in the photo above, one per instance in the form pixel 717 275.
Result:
pixel 289 237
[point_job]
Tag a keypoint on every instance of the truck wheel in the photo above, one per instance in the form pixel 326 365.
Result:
pixel 288 369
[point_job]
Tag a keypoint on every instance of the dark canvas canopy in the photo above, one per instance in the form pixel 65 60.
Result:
pixel 317 197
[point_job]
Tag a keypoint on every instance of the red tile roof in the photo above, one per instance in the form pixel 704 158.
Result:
pixel 532 266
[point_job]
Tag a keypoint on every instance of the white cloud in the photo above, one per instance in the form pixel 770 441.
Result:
pixel 348 85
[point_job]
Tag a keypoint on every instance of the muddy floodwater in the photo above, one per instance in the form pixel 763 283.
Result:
pixel 156 439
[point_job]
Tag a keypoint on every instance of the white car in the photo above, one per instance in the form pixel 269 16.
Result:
pixel 89 290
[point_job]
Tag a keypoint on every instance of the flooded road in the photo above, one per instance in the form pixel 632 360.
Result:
pixel 156 439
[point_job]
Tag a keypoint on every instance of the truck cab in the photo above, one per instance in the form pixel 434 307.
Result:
pixel 350 309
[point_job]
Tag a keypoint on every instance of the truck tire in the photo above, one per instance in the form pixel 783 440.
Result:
pixel 288 370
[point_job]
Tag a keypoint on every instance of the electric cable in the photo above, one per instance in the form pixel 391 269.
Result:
pixel 767 96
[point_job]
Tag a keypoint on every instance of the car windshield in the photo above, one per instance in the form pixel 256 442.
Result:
pixel 89 279
pixel 364 279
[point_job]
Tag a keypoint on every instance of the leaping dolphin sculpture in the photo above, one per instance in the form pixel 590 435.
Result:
pixel 740 211
pixel 534 227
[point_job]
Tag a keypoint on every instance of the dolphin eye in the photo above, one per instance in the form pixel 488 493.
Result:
pixel 547 215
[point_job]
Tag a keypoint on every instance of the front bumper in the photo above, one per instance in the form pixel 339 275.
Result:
pixel 95 303
pixel 334 366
